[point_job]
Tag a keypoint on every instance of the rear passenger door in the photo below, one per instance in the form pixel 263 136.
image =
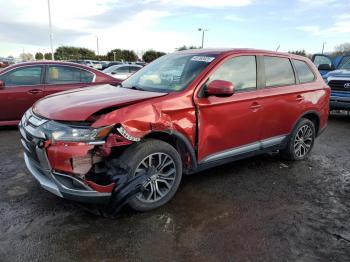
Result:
pixel 281 97
pixel 62 78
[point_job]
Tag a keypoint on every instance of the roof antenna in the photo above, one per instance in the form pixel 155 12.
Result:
pixel 278 47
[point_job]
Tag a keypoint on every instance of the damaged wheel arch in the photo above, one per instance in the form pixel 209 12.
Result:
pixel 181 144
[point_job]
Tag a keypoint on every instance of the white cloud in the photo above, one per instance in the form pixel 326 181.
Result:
pixel 137 33
pixel 235 18
pixel 316 3
pixel 339 27
pixel 205 3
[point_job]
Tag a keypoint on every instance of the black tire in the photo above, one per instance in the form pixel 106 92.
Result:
pixel 290 152
pixel 132 158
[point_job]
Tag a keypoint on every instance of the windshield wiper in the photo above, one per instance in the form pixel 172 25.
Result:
pixel 136 88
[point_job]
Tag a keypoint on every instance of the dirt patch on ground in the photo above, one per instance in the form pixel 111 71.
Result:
pixel 260 209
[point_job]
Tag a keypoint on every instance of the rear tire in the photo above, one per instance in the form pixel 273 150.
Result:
pixel 301 141
pixel 164 161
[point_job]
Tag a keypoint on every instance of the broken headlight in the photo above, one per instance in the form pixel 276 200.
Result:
pixel 63 132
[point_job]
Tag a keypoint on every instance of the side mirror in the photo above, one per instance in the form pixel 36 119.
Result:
pixel 325 67
pixel 2 84
pixel 113 73
pixel 220 88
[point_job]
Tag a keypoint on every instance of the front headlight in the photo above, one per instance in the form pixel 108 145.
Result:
pixel 62 132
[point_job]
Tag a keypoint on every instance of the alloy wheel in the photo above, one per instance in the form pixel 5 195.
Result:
pixel 163 173
pixel 303 141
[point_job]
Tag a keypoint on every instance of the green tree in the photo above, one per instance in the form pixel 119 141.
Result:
pixel 73 53
pixel 47 56
pixel 39 56
pixel 341 49
pixel 151 55
pixel 181 48
pixel 101 58
pixel 298 52
pixel 121 54
pixel 129 55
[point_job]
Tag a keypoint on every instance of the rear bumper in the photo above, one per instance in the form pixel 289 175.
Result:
pixel 65 186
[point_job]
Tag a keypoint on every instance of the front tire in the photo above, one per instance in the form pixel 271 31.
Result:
pixel 164 161
pixel 301 141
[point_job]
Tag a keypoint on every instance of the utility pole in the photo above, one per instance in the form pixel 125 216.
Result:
pixel 50 28
pixel 114 55
pixel 98 50
pixel 324 43
pixel 203 31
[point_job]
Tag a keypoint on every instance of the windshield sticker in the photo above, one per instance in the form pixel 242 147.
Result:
pixel 206 59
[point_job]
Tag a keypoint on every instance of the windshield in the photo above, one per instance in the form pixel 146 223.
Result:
pixel 345 63
pixel 169 73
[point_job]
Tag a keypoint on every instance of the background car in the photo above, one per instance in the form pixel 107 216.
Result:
pixel 336 73
pixel 111 63
pixel 122 71
pixel 23 84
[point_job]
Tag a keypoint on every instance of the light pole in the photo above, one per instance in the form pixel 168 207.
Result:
pixel 324 43
pixel 203 31
pixel 98 50
pixel 50 28
pixel 114 55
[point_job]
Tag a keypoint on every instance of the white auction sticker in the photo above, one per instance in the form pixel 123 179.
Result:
pixel 206 59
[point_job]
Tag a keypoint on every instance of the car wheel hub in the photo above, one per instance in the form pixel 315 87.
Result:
pixel 303 141
pixel 163 172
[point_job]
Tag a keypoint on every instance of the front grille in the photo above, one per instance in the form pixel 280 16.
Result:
pixel 339 85
pixel 30 138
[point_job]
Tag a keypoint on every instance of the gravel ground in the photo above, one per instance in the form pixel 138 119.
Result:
pixel 259 209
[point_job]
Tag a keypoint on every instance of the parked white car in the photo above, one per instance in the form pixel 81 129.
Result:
pixel 93 64
pixel 122 71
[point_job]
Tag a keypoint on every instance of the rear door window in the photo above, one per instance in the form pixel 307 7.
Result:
pixel 278 71
pixel 67 75
pixel 25 76
pixel 304 72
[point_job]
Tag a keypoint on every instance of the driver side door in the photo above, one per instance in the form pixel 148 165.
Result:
pixel 230 126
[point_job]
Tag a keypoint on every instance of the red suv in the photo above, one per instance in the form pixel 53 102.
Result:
pixel 23 84
pixel 183 113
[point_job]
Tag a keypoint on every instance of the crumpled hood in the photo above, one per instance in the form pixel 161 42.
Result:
pixel 338 73
pixel 80 104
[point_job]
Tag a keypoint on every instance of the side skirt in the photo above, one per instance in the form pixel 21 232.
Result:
pixel 240 153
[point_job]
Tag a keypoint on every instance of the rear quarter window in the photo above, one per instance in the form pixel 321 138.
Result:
pixel 304 72
pixel 278 71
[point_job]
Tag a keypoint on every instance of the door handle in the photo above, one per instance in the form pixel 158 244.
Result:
pixel 255 106
pixel 35 91
pixel 299 98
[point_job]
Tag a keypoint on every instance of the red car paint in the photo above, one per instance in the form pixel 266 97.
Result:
pixel 15 100
pixel 210 124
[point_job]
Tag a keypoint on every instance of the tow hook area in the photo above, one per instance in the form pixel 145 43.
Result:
pixel 126 188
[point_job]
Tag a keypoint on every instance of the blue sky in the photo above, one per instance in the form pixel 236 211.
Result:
pixel 165 24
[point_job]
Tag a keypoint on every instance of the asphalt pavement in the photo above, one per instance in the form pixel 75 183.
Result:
pixel 258 209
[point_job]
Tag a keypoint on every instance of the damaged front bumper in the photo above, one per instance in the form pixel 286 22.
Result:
pixel 64 184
